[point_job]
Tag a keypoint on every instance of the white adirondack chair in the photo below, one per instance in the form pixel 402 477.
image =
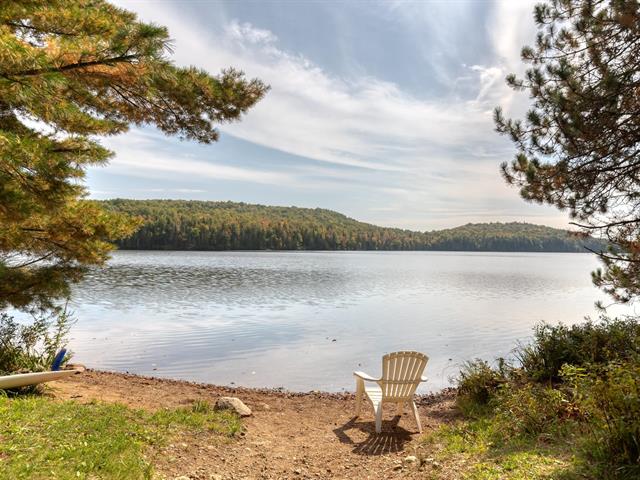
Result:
pixel 401 375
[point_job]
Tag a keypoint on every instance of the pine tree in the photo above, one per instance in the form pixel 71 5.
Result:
pixel 579 145
pixel 70 72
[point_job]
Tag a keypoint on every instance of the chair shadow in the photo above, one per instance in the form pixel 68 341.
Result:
pixel 392 439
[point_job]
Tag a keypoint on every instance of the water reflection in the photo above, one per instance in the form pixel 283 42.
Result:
pixel 305 320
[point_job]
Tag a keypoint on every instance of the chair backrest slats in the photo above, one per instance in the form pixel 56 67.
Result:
pixel 401 372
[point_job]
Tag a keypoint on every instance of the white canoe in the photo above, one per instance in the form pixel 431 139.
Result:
pixel 24 379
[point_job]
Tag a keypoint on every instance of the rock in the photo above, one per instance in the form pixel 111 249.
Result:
pixel 215 476
pixel 232 403
pixel 410 459
pixel 182 477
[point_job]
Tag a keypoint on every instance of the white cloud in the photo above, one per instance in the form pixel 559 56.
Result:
pixel 411 151
pixel 490 79
pixel 245 32
pixel 512 27
pixel 312 113
pixel 138 155
pixel 159 166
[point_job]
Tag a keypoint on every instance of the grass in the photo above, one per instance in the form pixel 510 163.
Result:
pixel 478 449
pixel 43 438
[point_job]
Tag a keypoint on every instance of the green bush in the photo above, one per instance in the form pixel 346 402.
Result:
pixel 610 394
pixel 578 383
pixel 478 383
pixel 32 347
pixel 531 409
pixel 583 344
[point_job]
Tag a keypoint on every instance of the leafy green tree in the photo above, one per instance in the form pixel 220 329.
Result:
pixel 579 145
pixel 196 225
pixel 71 71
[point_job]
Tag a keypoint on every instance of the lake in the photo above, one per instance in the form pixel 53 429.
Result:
pixel 306 320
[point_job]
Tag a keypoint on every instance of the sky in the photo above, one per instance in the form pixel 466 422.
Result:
pixel 379 110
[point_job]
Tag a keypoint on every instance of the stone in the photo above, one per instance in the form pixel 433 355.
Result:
pixel 411 459
pixel 232 403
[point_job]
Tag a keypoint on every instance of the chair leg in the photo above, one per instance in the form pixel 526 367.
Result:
pixel 379 418
pixel 359 392
pixel 400 408
pixel 416 416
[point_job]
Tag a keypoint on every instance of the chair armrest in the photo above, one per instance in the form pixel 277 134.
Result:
pixel 364 376
pixel 423 379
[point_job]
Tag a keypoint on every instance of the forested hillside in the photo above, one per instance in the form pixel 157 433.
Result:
pixel 196 225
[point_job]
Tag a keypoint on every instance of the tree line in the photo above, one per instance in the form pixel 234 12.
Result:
pixel 198 225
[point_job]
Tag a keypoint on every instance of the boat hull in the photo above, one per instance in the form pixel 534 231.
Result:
pixel 25 379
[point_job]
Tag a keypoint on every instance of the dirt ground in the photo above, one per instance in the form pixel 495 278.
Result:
pixel 289 435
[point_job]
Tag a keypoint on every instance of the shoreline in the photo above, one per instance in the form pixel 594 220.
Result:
pixel 347 395
pixel 173 250
pixel 289 434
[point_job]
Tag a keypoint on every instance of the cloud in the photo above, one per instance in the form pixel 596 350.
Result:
pixel 138 155
pixel 400 155
pixel 511 27
pixel 363 122
pixel 164 167
pixel 245 32
pixel 356 122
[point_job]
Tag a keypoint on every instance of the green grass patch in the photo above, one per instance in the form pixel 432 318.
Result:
pixel 478 449
pixel 43 438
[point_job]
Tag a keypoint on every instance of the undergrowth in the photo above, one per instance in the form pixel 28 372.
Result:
pixel 568 408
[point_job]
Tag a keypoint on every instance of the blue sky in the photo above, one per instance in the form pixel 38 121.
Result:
pixel 379 110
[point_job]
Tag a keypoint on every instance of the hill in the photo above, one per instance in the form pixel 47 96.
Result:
pixel 198 225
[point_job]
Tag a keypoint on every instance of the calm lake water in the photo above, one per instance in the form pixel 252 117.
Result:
pixel 306 320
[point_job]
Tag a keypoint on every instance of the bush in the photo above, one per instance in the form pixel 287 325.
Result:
pixel 531 409
pixel 579 345
pixel 478 383
pixel 611 396
pixel 578 383
pixel 32 347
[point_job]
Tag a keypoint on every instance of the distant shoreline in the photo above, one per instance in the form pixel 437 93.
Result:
pixel 270 250
pixel 229 226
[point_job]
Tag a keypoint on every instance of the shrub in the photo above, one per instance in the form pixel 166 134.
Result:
pixel 531 409
pixel 579 383
pixel 588 343
pixel 478 383
pixel 32 347
pixel 611 396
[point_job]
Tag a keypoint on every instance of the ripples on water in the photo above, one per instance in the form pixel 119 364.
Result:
pixel 270 318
